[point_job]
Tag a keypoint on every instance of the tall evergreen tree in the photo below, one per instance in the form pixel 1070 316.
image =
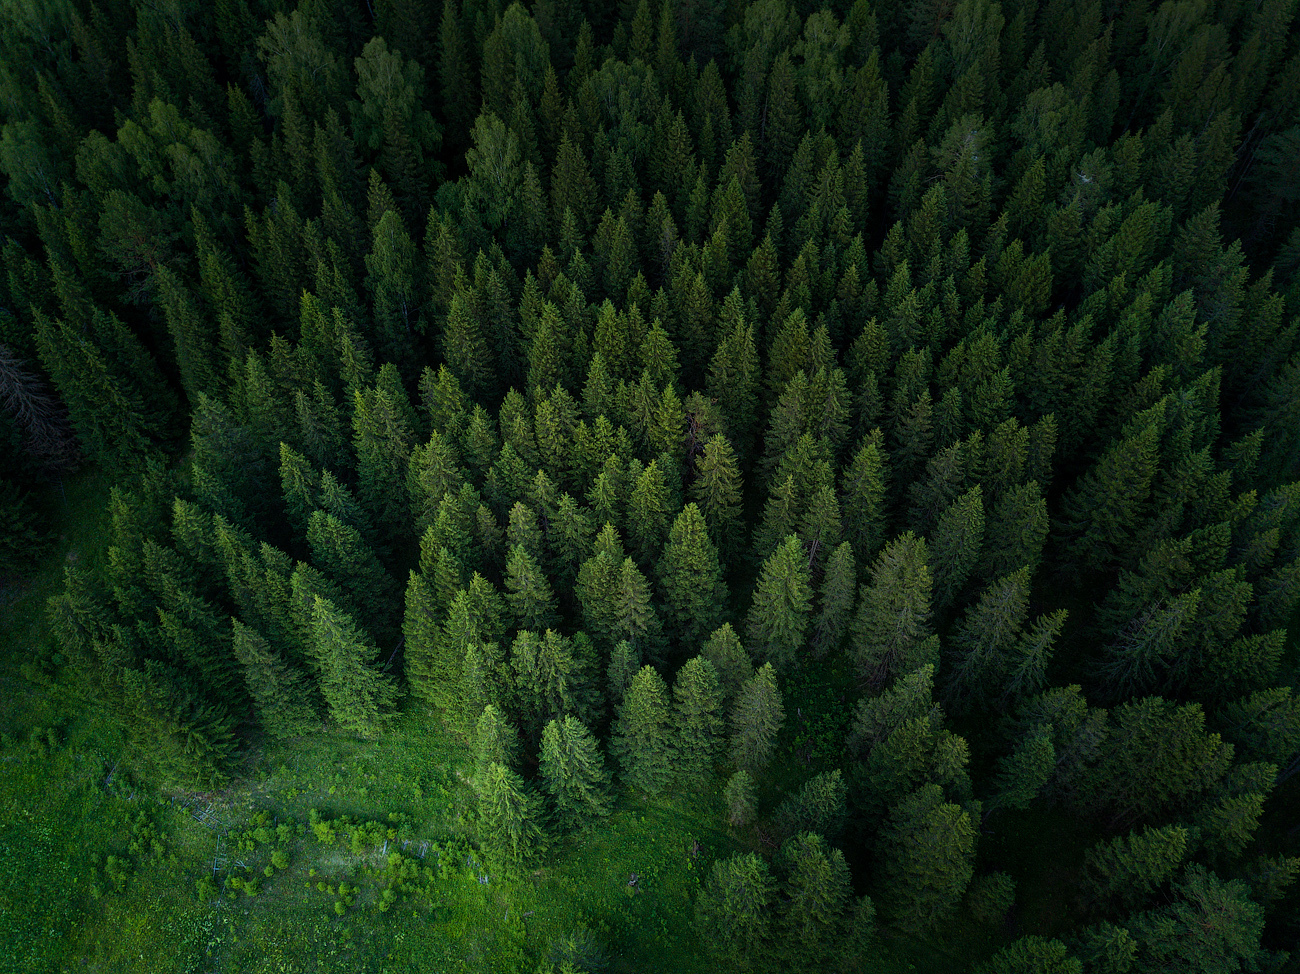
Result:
pixel 279 690
pixel 778 615
pixel 359 696
pixel 641 740
pixel 891 631
pixel 691 579
pixel 756 719
pixel 573 773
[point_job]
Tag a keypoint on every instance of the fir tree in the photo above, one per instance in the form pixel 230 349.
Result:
pixel 778 616
pixel 573 773
pixel 359 696
pixel 641 736
pixel 279 690
pixel 508 814
pixel 756 719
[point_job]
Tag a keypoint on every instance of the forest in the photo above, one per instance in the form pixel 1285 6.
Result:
pixel 656 485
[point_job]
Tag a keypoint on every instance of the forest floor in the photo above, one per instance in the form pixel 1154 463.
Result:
pixel 99 873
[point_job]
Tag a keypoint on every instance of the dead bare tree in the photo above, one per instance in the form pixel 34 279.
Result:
pixel 49 439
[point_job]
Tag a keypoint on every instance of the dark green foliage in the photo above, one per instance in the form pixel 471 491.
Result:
pixel 778 615
pixel 891 633
pixel 508 813
pixel 1212 926
pixel 738 797
pixel 1126 870
pixel 943 351
pixel 279 689
pixel 820 806
pixel 573 773
pixel 697 717
pixel 927 850
pixel 642 741
pixel 1032 955
pixel 756 718
pixel 22 539
pixel 817 905
pixel 691 579
pixel 358 695
pixel 732 910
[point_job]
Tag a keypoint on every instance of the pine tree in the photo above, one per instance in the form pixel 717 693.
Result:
pixel 756 719
pixel 732 910
pixel 529 592
pixel 279 689
pixel 641 735
pixel 862 497
pixel 778 615
pixel 730 661
pixel 359 696
pixel 927 850
pixel 820 806
pixel 508 814
pixel 891 633
pixel 1211 925
pixel 495 742
pixel 573 774
pixel 691 579
pixel 697 718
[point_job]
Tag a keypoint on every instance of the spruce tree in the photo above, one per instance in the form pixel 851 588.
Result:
pixel 955 546
pixel 697 718
pixel 359 696
pixel 891 630
pixel 1126 870
pixel 835 599
pixel 279 690
pixel 528 592
pixel 778 615
pixel 927 850
pixel 495 742
pixel 730 661
pixel 641 740
pixel 508 814
pixel 814 912
pixel 738 797
pixel 573 774
pixel 732 910
pixel 691 579
pixel 756 719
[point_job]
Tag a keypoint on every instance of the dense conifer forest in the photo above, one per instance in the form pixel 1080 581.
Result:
pixel 662 485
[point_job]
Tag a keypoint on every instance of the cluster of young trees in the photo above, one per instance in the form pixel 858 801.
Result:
pixel 589 371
